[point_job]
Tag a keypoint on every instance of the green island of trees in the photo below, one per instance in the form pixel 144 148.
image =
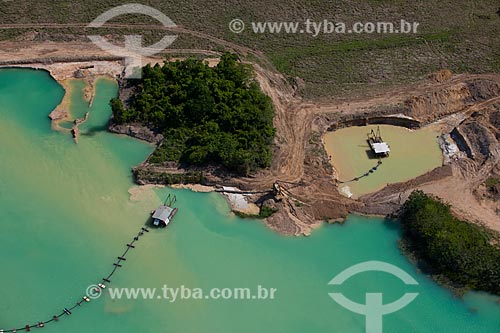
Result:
pixel 466 254
pixel 208 115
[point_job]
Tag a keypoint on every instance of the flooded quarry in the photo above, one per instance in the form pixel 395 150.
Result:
pixel 360 171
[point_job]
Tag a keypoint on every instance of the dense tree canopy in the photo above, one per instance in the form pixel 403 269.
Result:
pixel 207 114
pixel 465 253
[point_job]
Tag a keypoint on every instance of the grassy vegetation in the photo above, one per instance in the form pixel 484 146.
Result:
pixel 466 254
pixel 461 35
pixel 493 185
pixel 492 182
pixel 266 211
pixel 208 115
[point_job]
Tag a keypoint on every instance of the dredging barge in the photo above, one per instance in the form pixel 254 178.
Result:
pixel 164 214
pixel 377 144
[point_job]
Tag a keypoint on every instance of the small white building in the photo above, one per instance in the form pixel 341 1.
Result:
pixel 163 215
pixel 377 144
pixel 381 148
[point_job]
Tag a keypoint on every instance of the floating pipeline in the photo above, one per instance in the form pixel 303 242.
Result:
pixel 67 311
pixel 372 170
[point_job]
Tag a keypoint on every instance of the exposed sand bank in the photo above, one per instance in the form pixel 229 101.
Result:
pixel 240 202
pixel 65 72
pixel 61 112
pixel 194 187
pixel 143 192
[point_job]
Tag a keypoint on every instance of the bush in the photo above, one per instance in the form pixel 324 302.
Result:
pixel 492 184
pixel 266 211
pixel 465 253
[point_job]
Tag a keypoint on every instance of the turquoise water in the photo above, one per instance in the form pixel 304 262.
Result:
pixel 65 214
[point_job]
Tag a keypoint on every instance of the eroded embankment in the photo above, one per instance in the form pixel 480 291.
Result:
pixel 394 120
pixel 416 110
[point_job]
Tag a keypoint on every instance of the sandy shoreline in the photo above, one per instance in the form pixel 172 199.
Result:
pixel 240 203
pixel 194 187
pixel 61 112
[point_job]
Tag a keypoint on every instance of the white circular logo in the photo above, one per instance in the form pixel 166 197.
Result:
pixel 373 309
pixel 237 26
pixel 93 291
pixel 133 50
